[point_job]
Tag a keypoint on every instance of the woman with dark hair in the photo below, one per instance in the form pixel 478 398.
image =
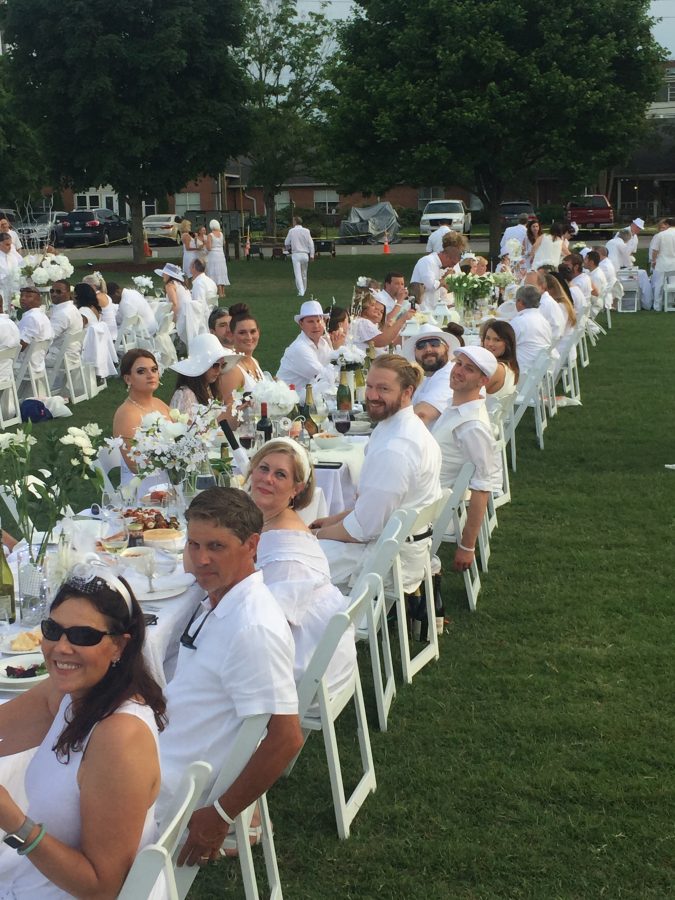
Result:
pixel 293 564
pixel 95 776
pixel 547 249
pixel 337 326
pixel 98 349
pixel 247 372
pixel 533 230
pixel 199 373
pixel 140 372
pixel 499 338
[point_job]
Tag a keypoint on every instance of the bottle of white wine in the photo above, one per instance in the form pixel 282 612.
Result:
pixel 7 598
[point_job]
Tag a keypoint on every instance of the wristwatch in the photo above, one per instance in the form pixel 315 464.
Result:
pixel 19 838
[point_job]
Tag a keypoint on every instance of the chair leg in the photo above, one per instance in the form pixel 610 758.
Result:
pixel 385 690
pixel 269 851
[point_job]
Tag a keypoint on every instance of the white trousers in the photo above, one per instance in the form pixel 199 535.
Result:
pixel 658 278
pixel 300 264
pixel 647 296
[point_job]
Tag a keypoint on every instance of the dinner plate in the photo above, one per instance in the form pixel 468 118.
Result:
pixel 165 594
pixel 6 647
pixel 167 586
pixel 19 684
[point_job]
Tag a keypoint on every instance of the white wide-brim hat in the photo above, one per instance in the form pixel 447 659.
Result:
pixel 310 308
pixel 640 223
pixel 385 299
pixel 204 351
pixel 486 361
pixel 428 331
pixel 172 271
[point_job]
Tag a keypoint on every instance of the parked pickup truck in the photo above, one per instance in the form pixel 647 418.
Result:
pixel 590 212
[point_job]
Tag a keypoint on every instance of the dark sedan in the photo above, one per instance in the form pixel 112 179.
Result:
pixel 95 226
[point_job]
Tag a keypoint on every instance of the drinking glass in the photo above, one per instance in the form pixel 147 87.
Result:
pixel 114 535
pixel 321 413
pixel 342 421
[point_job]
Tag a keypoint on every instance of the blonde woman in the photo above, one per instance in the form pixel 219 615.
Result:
pixel 190 246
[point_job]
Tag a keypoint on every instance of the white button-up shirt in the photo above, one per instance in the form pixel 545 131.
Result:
pixel 429 271
pixel 533 334
pixel 304 362
pixel 619 253
pixel 204 291
pixel 435 389
pixel 299 240
pixel 435 242
pixel 65 318
pixel 9 338
pixel 513 233
pixel 133 303
pixel 664 245
pixel 609 271
pixel 35 326
pixel 554 315
pixel 464 435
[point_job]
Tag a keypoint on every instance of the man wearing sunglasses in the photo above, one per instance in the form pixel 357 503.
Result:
pixel 236 660
pixel 65 319
pixel 431 348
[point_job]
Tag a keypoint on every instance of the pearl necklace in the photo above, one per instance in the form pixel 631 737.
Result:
pixel 142 408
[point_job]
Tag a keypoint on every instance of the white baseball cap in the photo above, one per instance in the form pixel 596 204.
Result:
pixel 486 361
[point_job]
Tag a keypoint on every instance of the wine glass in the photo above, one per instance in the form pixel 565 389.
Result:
pixel 342 421
pixel 321 413
pixel 114 535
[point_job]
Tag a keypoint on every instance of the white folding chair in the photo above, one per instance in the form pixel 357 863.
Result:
pixel 164 346
pixel 669 292
pixel 629 301
pixel 448 528
pixel 155 860
pixel 38 382
pixel 127 334
pixel 248 737
pixel 10 411
pixel 319 709
pixel 65 367
pixel 530 394
pixel 107 460
pixel 380 561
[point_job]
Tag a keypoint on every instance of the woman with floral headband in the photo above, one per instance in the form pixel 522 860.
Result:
pixel 94 778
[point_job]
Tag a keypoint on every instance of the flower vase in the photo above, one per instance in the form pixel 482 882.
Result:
pixel 32 592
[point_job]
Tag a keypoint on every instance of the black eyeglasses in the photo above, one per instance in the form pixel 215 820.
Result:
pixel 187 639
pixel 77 635
pixel 428 342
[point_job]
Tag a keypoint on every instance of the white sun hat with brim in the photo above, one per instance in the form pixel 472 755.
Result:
pixel 385 299
pixel 479 356
pixel 204 351
pixel 639 223
pixel 428 331
pixel 172 271
pixel 310 308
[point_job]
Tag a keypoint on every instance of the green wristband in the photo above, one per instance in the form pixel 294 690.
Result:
pixel 33 845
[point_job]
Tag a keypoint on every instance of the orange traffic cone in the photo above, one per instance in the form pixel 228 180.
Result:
pixel 147 252
pixel 386 249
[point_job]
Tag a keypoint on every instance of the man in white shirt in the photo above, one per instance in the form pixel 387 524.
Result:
pixel 10 262
pixel 401 469
pixel 430 348
pixel 65 319
pixel 34 326
pixel 204 289
pixel 131 302
pixel 219 324
pixel 393 294
pixel 618 249
pixel 548 307
pixel 607 267
pixel 581 279
pixel 598 280
pixel 533 333
pixel 515 233
pixel 664 260
pixel 435 241
pixel 635 227
pixel 430 271
pixel 235 661
pixel 301 246
pixel 464 434
pixel 309 357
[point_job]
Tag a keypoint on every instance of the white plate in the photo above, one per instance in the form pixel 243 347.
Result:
pixel 19 684
pixel 165 594
pixel 360 428
pixel 167 586
pixel 6 647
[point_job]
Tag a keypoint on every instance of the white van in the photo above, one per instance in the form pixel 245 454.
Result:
pixel 437 210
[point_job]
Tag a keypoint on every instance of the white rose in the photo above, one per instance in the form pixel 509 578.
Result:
pixel 40 277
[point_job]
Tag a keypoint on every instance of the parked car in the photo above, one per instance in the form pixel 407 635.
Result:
pixel 437 210
pixel 591 211
pixel 45 228
pixel 6 212
pixel 511 210
pixel 95 226
pixel 163 227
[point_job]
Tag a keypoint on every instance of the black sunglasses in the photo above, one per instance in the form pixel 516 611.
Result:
pixel 428 342
pixel 187 639
pixel 77 635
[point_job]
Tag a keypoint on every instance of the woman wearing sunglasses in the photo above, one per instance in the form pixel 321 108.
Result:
pixel 93 781
pixel 198 374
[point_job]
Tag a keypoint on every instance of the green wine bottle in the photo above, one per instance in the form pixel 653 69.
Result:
pixel 344 394
pixel 7 597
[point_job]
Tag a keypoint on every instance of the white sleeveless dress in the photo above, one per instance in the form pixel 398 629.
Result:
pixel 547 253
pixel 216 264
pixel 108 317
pixel 54 799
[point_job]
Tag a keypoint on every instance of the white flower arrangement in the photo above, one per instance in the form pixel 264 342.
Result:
pixel 514 248
pixel 46 268
pixel 280 399
pixel 175 445
pixel 350 357
pixel 144 283
pixel 502 279
pixel 362 281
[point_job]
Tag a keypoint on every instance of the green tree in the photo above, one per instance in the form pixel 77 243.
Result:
pixel 286 59
pixel 484 94
pixel 143 95
pixel 22 169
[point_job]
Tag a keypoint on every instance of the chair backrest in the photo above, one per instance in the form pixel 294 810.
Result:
pixel 452 499
pixel 156 858
pixel 250 733
pixel 380 558
pixel 108 458
pixel 10 352
pixel 27 357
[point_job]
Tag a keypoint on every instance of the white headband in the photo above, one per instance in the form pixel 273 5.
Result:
pixel 299 452
pixel 84 573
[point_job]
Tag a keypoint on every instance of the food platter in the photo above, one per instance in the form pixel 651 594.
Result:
pixel 7 683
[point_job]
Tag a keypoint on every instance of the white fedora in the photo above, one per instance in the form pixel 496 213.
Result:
pixel 310 308
pixel 172 271
pixel 204 351
pixel 428 331
pixel 639 223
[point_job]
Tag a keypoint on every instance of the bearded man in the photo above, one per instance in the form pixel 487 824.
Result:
pixel 430 348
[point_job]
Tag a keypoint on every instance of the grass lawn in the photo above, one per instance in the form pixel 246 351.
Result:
pixel 535 759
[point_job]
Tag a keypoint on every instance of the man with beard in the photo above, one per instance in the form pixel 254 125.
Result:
pixel 401 469
pixel 465 435
pixel 430 348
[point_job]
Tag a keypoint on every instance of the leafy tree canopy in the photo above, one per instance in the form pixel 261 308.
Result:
pixel 479 94
pixel 141 94
pixel 285 57
pixel 22 169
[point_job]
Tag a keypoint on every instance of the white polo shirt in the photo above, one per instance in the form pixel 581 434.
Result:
pixel 35 326
pixel 304 361
pixel 435 389
pixel 242 666
pixel 533 334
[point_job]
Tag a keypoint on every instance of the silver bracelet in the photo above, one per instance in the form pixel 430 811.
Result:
pixel 467 549
pixel 221 812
